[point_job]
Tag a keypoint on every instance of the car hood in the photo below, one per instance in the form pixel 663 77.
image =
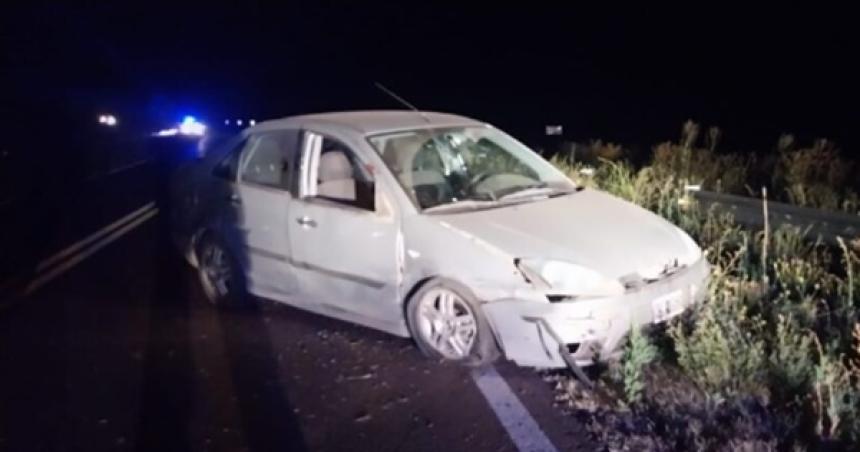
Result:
pixel 589 228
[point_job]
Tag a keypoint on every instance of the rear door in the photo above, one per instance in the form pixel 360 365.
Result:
pixel 344 235
pixel 260 204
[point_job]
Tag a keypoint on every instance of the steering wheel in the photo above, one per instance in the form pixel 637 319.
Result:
pixel 427 195
pixel 477 179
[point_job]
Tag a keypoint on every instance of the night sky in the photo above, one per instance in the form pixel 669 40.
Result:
pixel 632 75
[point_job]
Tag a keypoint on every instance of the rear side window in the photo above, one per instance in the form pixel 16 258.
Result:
pixel 268 159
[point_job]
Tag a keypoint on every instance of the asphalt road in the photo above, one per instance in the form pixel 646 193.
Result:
pixel 120 351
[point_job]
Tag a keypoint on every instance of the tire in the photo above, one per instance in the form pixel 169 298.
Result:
pixel 440 327
pixel 220 274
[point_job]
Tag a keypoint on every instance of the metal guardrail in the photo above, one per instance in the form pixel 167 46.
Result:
pixel 749 211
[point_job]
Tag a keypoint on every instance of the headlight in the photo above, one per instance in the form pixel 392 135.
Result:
pixel 567 278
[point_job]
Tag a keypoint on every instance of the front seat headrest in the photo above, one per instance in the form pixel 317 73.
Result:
pixel 334 165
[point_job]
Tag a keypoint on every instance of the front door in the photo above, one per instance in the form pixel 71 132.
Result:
pixel 344 242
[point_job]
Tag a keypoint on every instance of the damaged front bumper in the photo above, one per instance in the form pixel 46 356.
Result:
pixel 539 334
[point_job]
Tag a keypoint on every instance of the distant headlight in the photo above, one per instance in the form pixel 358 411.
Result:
pixel 567 278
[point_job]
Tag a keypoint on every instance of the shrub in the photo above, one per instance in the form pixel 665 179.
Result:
pixel 791 364
pixel 638 353
pixel 591 153
pixel 791 241
pixel 837 399
pixel 606 151
pixel 724 353
pixel 815 176
pixel 702 165
pixel 800 288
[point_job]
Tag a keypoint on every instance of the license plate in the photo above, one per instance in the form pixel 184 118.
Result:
pixel 666 306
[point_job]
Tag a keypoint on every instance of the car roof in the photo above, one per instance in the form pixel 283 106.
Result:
pixel 370 122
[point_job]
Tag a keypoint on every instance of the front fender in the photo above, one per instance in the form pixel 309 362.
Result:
pixel 433 249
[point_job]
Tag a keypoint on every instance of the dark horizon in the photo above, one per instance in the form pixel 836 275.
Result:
pixel 632 80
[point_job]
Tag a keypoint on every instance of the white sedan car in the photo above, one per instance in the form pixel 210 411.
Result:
pixel 431 226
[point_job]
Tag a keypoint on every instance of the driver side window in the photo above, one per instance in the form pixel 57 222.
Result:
pixel 342 178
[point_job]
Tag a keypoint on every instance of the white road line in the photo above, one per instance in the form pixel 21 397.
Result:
pixel 46 277
pixel 515 418
pixel 77 246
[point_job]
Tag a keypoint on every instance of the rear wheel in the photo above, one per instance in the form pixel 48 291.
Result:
pixel 447 323
pixel 220 274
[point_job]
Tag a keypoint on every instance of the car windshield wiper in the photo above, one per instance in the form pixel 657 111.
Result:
pixel 535 191
pixel 460 204
pixel 518 191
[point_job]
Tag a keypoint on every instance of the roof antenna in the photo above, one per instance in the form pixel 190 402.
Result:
pixel 401 100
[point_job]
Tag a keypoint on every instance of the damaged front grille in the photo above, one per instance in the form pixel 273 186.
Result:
pixel 635 281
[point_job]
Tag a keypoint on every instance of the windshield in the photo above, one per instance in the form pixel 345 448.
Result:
pixel 445 166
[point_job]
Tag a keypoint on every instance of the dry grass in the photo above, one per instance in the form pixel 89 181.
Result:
pixel 815 175
pixel 776 344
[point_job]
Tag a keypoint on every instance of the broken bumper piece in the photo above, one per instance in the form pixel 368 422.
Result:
pixel 538 334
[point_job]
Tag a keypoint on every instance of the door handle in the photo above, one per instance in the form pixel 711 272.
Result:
pixel 234 199
pixel 307 221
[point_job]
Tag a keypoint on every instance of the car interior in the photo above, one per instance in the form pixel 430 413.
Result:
pixel 418 169
pixel 341 177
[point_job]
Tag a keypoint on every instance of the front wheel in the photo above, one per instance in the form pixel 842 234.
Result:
pixel 447 323
pixel 220 274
